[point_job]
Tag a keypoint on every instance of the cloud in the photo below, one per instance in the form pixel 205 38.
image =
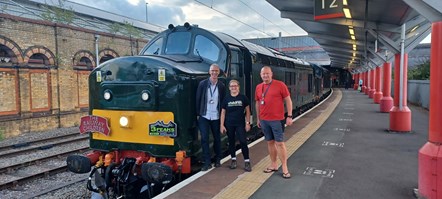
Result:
pixel 239 18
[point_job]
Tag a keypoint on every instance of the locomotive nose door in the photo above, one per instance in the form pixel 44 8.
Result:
pixel 238 70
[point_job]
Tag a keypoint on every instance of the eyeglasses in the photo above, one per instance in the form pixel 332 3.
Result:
pixel 233 86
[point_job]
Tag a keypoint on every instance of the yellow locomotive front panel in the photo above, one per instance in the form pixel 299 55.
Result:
pixel 142 127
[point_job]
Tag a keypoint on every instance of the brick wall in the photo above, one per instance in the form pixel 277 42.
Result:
pixel 44 84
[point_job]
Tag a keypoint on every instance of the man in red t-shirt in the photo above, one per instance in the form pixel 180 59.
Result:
pixel 270 96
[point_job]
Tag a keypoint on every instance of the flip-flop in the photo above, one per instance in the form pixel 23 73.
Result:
pixel 269 170
pixel 286 175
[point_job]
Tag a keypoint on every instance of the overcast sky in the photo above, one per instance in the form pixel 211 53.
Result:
pixel 242 19
pixel 262 19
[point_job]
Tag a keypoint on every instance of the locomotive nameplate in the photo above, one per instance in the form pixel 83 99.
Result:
pixel 92 123
pixel 139 130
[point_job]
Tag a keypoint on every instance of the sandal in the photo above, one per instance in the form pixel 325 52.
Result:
pixel 286 175
pixel 269 170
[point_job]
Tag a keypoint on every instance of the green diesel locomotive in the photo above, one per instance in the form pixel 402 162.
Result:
pixel 142 119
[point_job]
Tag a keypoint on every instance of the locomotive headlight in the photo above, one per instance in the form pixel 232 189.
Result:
pixel 107 95
pixel 124 121
pixel 145 95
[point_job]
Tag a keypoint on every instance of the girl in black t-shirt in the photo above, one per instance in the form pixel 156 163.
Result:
pixel 235 124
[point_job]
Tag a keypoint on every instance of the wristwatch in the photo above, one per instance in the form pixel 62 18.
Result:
pixel 247 122
pixel 289 116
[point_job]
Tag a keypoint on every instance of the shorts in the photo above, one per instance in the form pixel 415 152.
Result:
pixel 273 130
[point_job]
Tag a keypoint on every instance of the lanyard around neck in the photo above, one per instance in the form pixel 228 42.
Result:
pixel 210 88
pixel 267 89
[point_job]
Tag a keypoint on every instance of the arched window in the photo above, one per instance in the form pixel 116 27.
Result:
pixel 84 63
pixel 38 59
pixel 7 57
pixel 106 58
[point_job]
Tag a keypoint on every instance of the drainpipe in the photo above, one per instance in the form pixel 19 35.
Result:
pixel 58 74
pixel 96 49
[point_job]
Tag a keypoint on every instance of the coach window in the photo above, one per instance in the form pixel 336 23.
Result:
pixel 178 43
pixel 206 48
pixel 310 83
pixel 287 78
pixel 155 47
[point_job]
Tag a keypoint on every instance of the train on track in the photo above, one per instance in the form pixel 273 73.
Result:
pixel 142 117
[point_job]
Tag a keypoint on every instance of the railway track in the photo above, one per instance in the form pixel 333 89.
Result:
pixel 14 166
pixel 23 162
pixel 17 180
pixel 43 144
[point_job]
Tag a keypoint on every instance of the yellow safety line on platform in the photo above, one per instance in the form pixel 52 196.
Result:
pixel 247 184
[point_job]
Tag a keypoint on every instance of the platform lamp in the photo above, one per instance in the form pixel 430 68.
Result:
pixel 147 15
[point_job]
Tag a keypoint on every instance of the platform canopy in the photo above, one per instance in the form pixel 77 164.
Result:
pixel 369 33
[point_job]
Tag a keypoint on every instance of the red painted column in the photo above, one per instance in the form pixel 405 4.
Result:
pixel 378 93
pixel 367 82
pixel 386 101
pixel 355 81
pixel 430 158
pixel 372 84
pixel 363 82
pixel 400 119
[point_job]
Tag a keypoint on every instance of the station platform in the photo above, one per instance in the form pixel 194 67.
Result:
pixel 341 149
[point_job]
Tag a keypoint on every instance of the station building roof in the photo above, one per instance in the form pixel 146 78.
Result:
pixel 370 34
pixel 84 16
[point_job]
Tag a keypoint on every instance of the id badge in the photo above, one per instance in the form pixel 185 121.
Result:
pixel 262 102
pixel 211 101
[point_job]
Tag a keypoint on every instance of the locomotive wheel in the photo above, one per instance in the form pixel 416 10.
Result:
pixel 108 176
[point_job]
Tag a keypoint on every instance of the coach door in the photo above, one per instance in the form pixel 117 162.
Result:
pixel 238 71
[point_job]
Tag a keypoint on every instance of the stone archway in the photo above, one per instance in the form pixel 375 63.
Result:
pixel 84 59
pixel 107 54
pixel 39 52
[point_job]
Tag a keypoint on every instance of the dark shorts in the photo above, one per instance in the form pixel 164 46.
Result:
pixel 273 130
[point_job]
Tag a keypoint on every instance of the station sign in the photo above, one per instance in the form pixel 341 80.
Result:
pixel 328 9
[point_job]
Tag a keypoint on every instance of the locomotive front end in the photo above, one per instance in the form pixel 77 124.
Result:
pixel 142 115
pixel 136 132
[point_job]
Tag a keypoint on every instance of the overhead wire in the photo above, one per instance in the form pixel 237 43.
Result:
pixel 231 17
pixel 248 25
pixel 265 17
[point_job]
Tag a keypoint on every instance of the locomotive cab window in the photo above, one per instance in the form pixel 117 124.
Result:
pixel 178 43
pixel 155 48
pixel 206 48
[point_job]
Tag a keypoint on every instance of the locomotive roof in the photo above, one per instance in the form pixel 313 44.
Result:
pixel 256 49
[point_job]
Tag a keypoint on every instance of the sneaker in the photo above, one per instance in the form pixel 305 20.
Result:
pixel 217 163
pixel 248 167
pixel 206 167
pixel 233 164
